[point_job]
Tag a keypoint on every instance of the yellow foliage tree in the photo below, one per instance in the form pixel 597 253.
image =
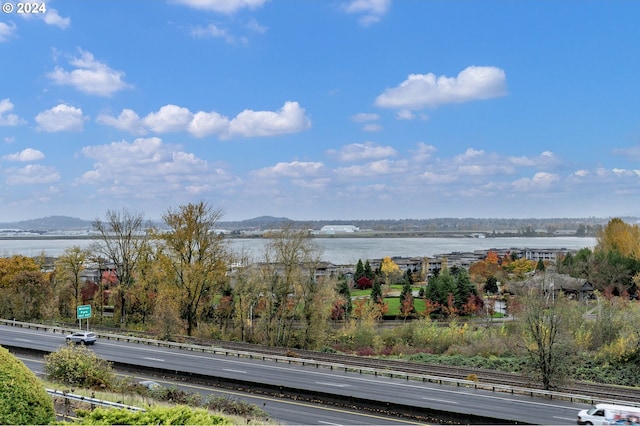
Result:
pixel 621 237
pixel 388 266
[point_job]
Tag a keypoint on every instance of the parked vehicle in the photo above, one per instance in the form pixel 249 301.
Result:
pixel 82 337
pixel 609 414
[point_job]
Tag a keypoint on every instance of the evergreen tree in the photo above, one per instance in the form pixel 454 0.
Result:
pixel 344 291
pixel 376 292
pixel 491 285
pixel 540 265
pixel 359 271
pixel 406 299
pixel 368 272
pixel 464 288
pixel 408 277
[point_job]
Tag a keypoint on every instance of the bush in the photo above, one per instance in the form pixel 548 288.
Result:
pixel 79 366
pixel 23 399
pixel 178 415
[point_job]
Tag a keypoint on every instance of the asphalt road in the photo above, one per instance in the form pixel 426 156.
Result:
pixel 282 411
pixel 523 409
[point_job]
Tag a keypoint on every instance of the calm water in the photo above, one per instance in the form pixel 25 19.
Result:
pixel 340 251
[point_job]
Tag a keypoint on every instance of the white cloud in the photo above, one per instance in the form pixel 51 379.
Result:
pixel 427 90
pixel 170 118
pixel 7 31
pixel 478 163
pixel 539 181
pixel 372 169
pixel 89 76
pixel 633 152
pixel 367 118
pixel 371 11
pixel 61 118
pixel 363 152
pixel 28 154
pixel 423 152
pixel 364 117
pixel 546 158
pixel 290 118
pixel 255 27
pixel 438 178
pixel 6 117
pixel 32 174
pixel 580 173
pixel 222 6
pixel 469 154
pixel 53 18
pixel 128 121
pixel 405 114
pixel 372 127
pixel 293 169
pixel 208 123
pixel 213 31
pixel 147 168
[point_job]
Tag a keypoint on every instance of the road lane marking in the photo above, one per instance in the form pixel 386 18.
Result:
pixel 153 359
pixel 339 385
pixel 446 401
pixel 231 370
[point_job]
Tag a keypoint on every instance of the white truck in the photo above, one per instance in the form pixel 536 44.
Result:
pixel 609 414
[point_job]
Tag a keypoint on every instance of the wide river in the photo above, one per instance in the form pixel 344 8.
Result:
pixel 340 251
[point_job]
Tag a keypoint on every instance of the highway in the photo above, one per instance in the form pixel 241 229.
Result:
pixel 282 411
pixel 427 396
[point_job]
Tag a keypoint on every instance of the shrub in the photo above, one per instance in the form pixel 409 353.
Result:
pixel 79 366
pixel 23 398
pixel 178 415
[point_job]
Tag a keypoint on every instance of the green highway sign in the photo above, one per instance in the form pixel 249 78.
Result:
pixel 84 311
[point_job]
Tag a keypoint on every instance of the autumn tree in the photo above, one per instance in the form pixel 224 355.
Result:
pixel 291 291
pixel 407 307
pixel 26 290
pixel 119 240
pixel 148 280
pixel 245 282
pixel 620 237
pixel 194 257
pixel 390 270
pixel 68 269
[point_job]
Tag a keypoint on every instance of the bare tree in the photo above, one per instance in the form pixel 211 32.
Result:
pixel 546 336
pixel 290 290
pixel 119 240
pixel 68 269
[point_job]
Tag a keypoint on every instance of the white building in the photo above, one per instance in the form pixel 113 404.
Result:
pixel 338 229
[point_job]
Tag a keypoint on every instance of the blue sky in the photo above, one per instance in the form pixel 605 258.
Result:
pixel 333 109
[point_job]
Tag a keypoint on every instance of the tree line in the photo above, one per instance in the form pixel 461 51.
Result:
pixel 184 279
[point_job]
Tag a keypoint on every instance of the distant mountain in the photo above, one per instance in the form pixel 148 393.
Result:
pixel 261 222
pixel 50 223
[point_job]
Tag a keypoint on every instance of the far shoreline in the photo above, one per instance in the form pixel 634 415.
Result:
pixel 365 234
